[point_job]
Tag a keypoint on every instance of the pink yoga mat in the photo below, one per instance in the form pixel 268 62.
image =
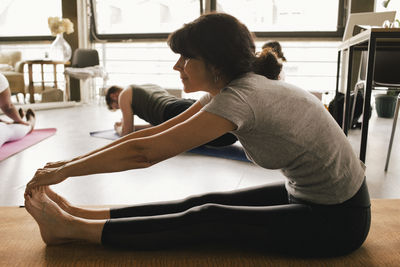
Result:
pixel 37 135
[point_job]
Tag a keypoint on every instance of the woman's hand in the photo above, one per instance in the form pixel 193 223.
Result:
pixel 117 124
pixel 118 127
pixel 45 176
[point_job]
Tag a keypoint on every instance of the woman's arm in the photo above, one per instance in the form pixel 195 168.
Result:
pixel 139 134
pixel 140 152
pixel 125 104
pixel 8 107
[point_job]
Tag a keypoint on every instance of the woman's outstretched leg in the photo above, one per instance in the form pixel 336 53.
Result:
pixel 266 195
pixel 14 131
pixel 56 226
pixel 93 214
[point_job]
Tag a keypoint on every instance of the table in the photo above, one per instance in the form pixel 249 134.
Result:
pixel 42 62
pixel 369 39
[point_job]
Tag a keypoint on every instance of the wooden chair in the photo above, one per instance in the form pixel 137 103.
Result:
pixel 14 73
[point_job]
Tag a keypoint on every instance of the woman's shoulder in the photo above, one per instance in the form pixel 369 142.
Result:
pixel 251 79
pixel 251 83
pixel 126 94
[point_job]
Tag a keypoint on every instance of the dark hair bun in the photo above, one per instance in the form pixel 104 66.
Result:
pixel 267 64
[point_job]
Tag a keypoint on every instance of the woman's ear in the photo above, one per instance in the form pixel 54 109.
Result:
pixel 216 74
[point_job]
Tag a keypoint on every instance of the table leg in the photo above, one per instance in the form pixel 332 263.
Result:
pixel 346 104
pixel 367 97
pixel 67 88
pixel 30 87
pixel 55 76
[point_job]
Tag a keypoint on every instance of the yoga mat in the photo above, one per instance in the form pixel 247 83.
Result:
pixel 106 134
pixel 21 245
pixel 10 148
pixel 234 151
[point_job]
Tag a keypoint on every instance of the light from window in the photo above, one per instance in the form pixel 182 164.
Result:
pixel 283 15
pixel 392 6
pixel 27 17
pixel 144 16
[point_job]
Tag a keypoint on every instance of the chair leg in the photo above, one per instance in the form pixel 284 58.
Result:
pixel 353 108
pixel 396 114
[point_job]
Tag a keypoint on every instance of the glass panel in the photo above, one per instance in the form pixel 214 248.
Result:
pixel 311 65
pixel 144 16
pixel 25 18
pixel 385 5
pixel 283 15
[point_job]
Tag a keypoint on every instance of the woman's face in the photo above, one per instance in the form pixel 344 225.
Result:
pixel 195 75
pixel 114 100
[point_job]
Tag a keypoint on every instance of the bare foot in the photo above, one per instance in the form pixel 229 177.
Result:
pixel 94 214
pixel 31 118
pixel 21 113
pixel 59 200
pixel 55 224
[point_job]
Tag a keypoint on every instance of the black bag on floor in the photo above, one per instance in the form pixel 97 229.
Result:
pixel 336 109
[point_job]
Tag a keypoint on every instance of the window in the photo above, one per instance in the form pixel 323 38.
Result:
pixel 23 18
pixel 284 15
pixel 390 6
pixel 133 19
pixel 311 63
pixel 154 18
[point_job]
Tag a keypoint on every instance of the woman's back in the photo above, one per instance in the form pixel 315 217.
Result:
pixel 284 127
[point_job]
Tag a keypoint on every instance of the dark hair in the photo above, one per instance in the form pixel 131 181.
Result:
pixel 267 64
pixel 110 90
pixel 220 40
pixel 276 47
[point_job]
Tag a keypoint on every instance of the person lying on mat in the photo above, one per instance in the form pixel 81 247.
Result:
pixel 18 128
pixel 153 104
pixel 322 207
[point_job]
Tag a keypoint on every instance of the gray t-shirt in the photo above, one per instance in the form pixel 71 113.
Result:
pixel 285 127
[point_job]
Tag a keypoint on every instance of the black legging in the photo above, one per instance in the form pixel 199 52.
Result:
pixel 264 217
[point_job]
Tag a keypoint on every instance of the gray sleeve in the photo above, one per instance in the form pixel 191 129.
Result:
pixel 232 106
pixel 205 99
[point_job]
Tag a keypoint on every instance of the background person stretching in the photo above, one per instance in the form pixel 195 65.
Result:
pixel 153 104
pixel 11 131
pixel 322 207
pixel 277 48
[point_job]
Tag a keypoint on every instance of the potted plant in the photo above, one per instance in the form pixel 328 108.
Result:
pixel 385 104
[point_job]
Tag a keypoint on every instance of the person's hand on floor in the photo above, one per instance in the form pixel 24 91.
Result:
pixel 118 127
pixel 117 124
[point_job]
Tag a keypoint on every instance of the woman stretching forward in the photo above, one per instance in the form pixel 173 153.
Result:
pixel 322 208
pixel 12 131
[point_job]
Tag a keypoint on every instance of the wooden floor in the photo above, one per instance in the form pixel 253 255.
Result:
pixel 175 178
pixel 21 245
